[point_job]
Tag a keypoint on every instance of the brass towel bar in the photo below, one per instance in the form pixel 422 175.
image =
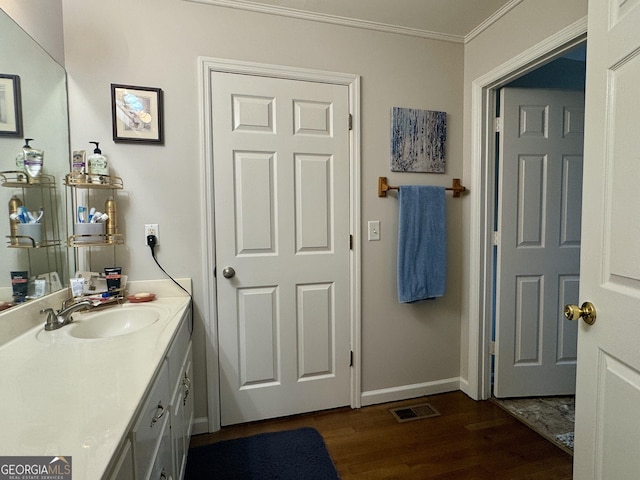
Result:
pixel 383 187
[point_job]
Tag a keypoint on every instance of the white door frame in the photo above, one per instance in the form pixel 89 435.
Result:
pixel 207 65
pixel 482 203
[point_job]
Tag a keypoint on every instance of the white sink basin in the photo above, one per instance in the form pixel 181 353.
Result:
pixel 113 322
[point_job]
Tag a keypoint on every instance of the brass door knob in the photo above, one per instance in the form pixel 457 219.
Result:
pixel 587 312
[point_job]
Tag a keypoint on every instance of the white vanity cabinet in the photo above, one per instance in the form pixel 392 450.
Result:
pixel 159 438
pixel 152 425
pixel 123 469
pixel 180 375
pixel 182 419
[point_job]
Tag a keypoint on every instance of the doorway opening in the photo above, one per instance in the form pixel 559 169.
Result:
pixel 482 179
pixel 533 366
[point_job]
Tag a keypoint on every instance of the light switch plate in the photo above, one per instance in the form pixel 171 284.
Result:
pixel 374 230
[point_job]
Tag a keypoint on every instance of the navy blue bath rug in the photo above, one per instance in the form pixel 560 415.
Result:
pixel 290 455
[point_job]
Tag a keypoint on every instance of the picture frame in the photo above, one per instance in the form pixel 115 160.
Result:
pixel 418 140
pixel 136 114
pixel 10 106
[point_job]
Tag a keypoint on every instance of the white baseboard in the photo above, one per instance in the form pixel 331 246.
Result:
pixel 373 397
pixel 200 425
pixel 464 386
pixel 405 392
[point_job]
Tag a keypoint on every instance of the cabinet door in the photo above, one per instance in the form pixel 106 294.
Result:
pixel 182 417
pixel 178 350
pixel 162 468
pixel 188 400
pixel 124 466
pixel 148 429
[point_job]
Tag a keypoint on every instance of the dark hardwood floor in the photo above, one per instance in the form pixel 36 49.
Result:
pixel 469 440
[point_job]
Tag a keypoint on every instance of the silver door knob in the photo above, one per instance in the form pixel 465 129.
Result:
pixel 228 272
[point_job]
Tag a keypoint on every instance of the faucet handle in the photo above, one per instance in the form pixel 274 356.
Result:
pixel 68 301
pixel 52 319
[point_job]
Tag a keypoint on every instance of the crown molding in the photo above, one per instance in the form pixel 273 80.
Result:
pixel 331 19
pixel 357 23
pixel 498 14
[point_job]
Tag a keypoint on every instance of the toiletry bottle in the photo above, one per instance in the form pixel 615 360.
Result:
pixel 20 156
pixel 14 204
pixel 33 162
pixel 111 225
pixel 78 164
pixel 98 165
pixel 20 286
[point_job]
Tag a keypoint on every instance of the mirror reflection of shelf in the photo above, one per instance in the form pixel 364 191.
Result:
pixel 38 239
pixel 42 183
pixel 14 242
pixel 85 180
pixel 18 179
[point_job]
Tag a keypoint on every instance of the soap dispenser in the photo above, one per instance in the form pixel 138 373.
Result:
pixel 33 162
pixel 97 164
pixel 20 156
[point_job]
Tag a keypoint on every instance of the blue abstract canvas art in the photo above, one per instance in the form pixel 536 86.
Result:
pixel 418 140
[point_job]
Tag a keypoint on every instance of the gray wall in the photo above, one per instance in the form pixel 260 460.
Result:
pixel 41 20
pixel 156 43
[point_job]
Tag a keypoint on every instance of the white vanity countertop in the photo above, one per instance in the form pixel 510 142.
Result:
pixel 75 397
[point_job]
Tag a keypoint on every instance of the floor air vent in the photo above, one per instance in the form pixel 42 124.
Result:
pixel 415 412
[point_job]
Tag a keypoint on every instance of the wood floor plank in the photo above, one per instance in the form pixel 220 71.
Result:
pixel 469 440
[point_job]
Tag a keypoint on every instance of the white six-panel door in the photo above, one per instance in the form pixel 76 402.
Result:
pixel 608 378
pixel 540 184
pixel 281 181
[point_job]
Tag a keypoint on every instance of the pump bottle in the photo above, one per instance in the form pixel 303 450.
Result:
pixel 20 156
pixel 98 165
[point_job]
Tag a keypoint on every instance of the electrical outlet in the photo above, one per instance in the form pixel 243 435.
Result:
pixel 151 229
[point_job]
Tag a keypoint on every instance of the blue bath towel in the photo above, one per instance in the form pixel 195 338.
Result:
pixel 422 243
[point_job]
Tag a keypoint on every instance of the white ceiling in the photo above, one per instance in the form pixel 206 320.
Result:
pixel 453 20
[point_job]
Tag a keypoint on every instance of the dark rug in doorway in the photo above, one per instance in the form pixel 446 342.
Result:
pixel 289 455
pixel 551 417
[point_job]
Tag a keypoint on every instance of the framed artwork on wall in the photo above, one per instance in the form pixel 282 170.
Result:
pixel 136 114
pixel 418 139
pixel 10 106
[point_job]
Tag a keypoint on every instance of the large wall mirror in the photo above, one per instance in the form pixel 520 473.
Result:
pixel 44 112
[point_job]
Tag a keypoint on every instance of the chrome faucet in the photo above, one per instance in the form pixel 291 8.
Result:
pixel 63 317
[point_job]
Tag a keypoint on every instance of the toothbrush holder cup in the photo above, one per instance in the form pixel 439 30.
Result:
pixel 28 233
pixel 89 232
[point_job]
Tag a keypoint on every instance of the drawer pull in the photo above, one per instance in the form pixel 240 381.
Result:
pixel 186 381
pixel 159 414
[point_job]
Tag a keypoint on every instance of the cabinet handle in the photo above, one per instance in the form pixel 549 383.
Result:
pixel 186 381
pixel 159 413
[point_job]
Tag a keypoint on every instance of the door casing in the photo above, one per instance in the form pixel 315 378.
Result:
pixel 207 65
pixel 482 203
